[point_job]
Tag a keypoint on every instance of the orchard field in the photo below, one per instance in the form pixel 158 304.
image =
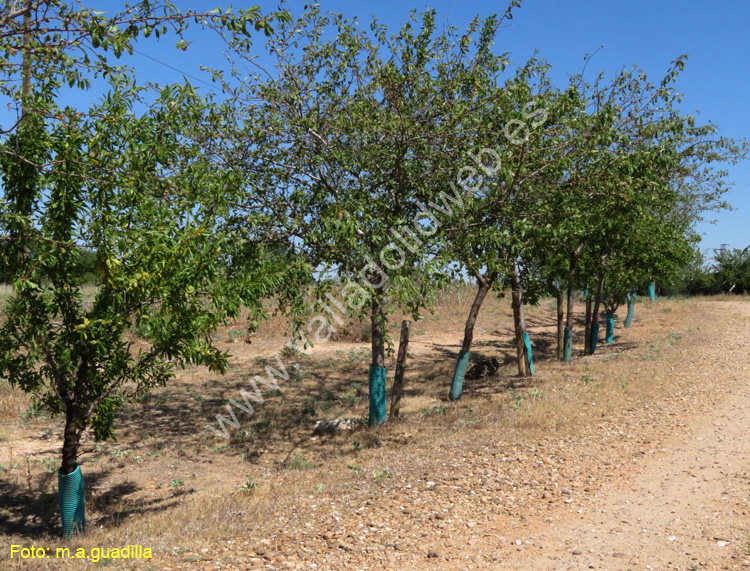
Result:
pixel 381 292
pixel 598 462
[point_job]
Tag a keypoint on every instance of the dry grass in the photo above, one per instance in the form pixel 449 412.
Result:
pixel 163 440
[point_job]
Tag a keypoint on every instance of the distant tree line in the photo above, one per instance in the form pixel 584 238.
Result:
pixel 728 273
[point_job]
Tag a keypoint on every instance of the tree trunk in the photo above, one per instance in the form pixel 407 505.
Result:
pixel 571 285
pixel 560 323
pixel 587 327
pixel 519 321
pixel 377 368
pixel 398 381
pixel 595 312
pixel 70 441
pixel 378 330
pixel 483 287
pixel 568 334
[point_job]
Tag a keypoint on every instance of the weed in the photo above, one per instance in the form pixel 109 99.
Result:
pixel 260 426
pixel 50 463
pixel 3 436
pixel 355 469
pixel 587 379
pixel 517 399
pixel 352 396
pixel 219 449
pixel 653 352
pixel 236 333
pixel 365 332
pixel 319 486
pixel 310 409
pixel 438 410
pixel 119 452
pixel 384 474
pixel 175 483
pixel 291 352
pixel 248 486
pixel 34 412
pixel 159 485
pixel 535 393
pixel 242 434
pixel 3 469
pixel 299 462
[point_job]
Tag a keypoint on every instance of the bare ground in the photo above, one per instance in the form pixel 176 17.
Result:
pixel 636 458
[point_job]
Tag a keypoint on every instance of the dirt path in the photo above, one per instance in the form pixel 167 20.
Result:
pixel 687 505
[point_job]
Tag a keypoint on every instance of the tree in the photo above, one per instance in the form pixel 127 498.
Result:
pixel 637 156
pixel 494 236
pixel 362 142
pixel 135 189
pixel 733 271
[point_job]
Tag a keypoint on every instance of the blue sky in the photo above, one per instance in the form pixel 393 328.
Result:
pixel 650 33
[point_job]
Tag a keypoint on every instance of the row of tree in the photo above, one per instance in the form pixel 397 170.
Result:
pixel 397 161
pixel 365 171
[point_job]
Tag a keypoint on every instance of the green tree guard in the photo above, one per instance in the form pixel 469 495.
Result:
pixel 527 344
pixel 594 337
pixel 71 495
pixel 631 313
pixel 568 344
pixel 669 295
pixel 457 386
pixel 652 291
pixel 377 395
pixel 610 320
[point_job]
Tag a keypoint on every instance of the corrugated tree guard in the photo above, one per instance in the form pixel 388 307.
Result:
pixel 652 291
pixel 527 345
pixel 631 312
pixel 71 495
pixel 457 385
pixel 594 337
pixel 610 317
pixel 377 395
pixel 568 346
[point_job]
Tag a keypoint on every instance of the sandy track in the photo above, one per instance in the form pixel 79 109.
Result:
pixel 688 505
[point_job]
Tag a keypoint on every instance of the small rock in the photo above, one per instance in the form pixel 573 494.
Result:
pixel 398 546
pixel 336 425
pixel 576 552
pixel 546 496
pixel 260 551
pixel 432 553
